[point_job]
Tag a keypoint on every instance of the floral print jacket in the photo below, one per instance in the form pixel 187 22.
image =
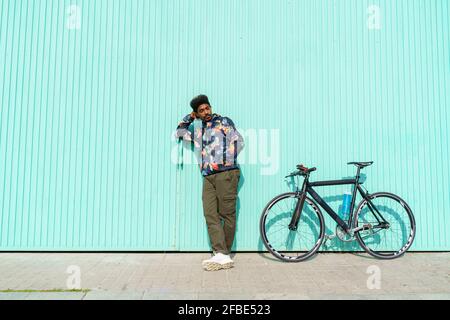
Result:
pixel 217 140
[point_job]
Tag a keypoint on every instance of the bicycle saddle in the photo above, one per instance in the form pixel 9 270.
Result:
pixel 361 164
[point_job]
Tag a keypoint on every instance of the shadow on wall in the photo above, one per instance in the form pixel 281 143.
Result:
pixel 188 146
pixel 238 208
pixel 334 244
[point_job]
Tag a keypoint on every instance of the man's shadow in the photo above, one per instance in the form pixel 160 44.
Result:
pixel 189 147
pixel 238 210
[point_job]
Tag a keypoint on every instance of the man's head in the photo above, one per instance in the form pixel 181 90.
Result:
pixel 202 108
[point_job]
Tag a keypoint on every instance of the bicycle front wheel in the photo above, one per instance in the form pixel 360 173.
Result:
pixel 382 240
pixel 289 245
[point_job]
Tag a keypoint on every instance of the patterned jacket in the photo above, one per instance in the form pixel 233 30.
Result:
pixel 217 140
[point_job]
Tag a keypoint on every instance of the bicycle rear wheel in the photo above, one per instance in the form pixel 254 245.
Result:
pixel 286 244
pixel 390 241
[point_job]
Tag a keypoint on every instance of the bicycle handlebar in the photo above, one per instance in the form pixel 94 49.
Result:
pixel 303 171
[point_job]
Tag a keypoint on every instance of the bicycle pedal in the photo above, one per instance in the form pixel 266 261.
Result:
pixel 330 237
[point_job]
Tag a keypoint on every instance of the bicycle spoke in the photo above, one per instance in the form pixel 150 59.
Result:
pixel 385 242
pixel 286 243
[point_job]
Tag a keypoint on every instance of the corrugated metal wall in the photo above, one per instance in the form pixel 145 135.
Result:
pixel 91 92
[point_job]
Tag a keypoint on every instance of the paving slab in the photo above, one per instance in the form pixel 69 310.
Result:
pixel 175 276
pixel 55 296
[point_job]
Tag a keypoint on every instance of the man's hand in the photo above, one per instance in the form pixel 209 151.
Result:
pixel 193 115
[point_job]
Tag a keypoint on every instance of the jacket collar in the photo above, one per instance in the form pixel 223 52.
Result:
pixel 214 117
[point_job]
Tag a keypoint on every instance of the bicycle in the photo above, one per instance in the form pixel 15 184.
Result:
pixel 382 223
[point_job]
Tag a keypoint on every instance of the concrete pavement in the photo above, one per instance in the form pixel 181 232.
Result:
pixel 255 276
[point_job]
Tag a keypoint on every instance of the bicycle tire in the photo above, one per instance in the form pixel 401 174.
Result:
pixel 271 247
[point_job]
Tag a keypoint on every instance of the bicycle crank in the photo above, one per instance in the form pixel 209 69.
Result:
pixel 344 236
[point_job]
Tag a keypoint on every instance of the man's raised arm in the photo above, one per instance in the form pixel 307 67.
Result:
pixel 183 131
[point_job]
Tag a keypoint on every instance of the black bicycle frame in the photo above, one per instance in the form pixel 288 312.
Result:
pixel 308 188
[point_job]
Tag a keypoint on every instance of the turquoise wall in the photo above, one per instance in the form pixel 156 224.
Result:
pixel 92 91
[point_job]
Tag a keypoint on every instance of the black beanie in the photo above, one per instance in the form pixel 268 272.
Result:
pixel 198 101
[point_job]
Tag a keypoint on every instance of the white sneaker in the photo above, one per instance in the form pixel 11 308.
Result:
pixel 206 261
pixel 219 261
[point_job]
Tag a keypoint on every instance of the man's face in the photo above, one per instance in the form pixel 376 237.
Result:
pixel 204 112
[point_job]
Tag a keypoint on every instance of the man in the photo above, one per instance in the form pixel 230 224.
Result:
pixel 219 144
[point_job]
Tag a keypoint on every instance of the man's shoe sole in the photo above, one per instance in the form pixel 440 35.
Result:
pixel 214 266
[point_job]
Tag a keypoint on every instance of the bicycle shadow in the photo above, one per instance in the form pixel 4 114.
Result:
pixel 390 215
pixel 287 242
pixel 334 244
pixel 371 240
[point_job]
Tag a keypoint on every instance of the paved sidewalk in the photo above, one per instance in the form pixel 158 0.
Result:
pixel 255 276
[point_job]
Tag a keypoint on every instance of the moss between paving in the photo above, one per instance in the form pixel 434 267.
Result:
pixel 44 291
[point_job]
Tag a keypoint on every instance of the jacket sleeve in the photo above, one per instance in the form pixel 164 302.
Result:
pixel 233 137
pixel 183 131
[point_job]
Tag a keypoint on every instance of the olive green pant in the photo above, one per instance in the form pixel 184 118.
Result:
pixel 219 204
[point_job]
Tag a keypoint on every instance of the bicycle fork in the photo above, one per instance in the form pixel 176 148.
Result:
pixel 293 225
